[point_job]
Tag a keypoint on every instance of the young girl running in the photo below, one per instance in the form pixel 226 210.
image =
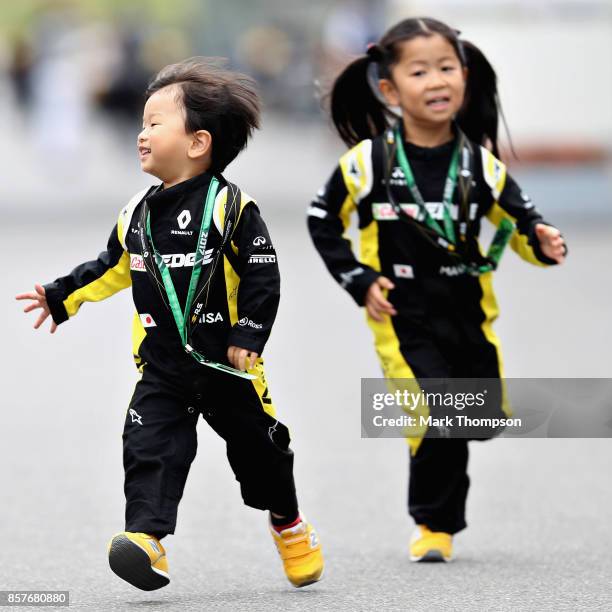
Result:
pixel 420 186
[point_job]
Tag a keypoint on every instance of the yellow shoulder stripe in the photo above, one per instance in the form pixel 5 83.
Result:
pixel 356 167
pixel 125 217
pixel 494 172
pixel 219 210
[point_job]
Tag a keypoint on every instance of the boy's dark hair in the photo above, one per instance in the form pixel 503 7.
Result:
pixel 358 113
pixel 222 102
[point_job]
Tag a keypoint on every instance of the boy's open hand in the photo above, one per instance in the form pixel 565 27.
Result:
pixel 239 357
pixel 38 301
pixel 375 302
pixel 551 242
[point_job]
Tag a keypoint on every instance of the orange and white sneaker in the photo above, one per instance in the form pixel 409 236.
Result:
pixel 300 551
pixel 140 559
pixel 430 546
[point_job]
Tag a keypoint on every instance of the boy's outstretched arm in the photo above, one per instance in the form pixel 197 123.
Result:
pixel 39 300
pixel 258 293
pixel 90 282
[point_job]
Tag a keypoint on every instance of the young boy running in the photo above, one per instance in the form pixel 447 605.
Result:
pixel 206 287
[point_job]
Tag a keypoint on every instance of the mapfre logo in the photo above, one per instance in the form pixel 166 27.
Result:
pixel 457 270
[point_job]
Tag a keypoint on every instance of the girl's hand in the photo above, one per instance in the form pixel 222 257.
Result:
pixel 375 302
pixel 38 301
pixel 239 357
pixel 551 242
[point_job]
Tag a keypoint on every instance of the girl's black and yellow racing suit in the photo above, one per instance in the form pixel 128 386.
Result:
pixel 443 326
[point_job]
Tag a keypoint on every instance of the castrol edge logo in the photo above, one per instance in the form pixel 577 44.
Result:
pixel 175 260
pixel 137 263
pixel 384 211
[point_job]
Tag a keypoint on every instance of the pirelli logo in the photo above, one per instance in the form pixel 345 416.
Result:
pixel 262 259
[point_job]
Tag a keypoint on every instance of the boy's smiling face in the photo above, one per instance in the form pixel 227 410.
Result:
pixel 165 149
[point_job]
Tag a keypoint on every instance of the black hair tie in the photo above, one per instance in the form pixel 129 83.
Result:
pixel 375 52
pixel 460 48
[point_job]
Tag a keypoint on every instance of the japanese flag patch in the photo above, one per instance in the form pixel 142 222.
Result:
pixel 147 320
pixel 403 271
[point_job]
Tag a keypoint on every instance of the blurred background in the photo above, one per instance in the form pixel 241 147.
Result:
pixel 72 76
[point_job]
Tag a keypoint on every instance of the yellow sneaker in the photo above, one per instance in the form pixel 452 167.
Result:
pixel 432 546
pixel 300 551
pixel 140 559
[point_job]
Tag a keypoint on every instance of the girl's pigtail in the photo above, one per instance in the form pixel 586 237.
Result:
pixel 355 110
pixel 479 115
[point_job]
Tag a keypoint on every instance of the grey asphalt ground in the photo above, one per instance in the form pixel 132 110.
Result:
pixel 539 511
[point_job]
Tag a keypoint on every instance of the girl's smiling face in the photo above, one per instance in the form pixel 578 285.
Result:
pixel 427 82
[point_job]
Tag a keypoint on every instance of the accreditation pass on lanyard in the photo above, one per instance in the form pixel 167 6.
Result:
pixel 181 317
pixel 446 234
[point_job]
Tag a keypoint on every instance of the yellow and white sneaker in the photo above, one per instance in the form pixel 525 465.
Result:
pixel 430 546
pixel 300 551
pixel 140 559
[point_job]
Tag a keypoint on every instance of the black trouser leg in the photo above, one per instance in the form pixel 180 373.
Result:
pixel 451 346
pixel 257 444
pixel 159 445
pixel 438 485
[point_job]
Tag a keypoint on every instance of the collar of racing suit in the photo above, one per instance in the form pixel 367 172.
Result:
pixel 161 195
pixel 430 153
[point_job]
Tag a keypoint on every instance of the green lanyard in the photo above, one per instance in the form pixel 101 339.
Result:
pixel 446 236
pixel 181 317
pixel 448 233
pixel 496 249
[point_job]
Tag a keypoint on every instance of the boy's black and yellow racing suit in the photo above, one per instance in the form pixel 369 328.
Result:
pixel 443 326
pixel 235 304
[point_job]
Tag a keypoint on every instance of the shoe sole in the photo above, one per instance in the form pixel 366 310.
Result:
pixel 308 581
pixel 133 565
pixel 431 556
